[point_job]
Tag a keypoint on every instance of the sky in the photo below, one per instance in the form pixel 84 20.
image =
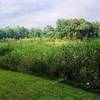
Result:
pixel 39 13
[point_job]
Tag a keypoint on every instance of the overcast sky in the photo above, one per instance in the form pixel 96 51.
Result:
pixel 39 13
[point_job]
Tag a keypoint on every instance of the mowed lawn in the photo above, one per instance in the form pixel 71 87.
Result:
pixel 18 86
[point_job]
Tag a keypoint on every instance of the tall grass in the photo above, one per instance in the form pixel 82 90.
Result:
pixel 77 62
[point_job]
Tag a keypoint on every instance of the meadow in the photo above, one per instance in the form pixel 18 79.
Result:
pixel 73 62
pixel 53 63
pixel 18 86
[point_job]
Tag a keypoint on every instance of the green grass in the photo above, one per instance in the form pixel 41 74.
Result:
pixel 18 86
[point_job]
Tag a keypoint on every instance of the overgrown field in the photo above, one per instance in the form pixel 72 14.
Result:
pixel 76 62
pixel 17 86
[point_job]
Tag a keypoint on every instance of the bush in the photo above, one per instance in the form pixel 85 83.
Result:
pixel 77 62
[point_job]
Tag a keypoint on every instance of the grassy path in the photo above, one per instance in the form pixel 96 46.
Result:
pixel 17 86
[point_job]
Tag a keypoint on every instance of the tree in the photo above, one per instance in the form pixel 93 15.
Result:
pixel 77 28
pixel 49 31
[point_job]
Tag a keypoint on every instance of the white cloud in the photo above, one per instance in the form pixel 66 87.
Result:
pixel 39 13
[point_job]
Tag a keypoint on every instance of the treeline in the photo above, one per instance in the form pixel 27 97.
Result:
pixel 65 28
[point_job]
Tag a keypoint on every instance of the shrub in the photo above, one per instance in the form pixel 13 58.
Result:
pixel 77 61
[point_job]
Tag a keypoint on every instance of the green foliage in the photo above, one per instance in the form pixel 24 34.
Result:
pixel 65 28
pixel 77 28
pixel 76 61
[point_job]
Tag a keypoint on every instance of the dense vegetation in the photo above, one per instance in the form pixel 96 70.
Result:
pixel 76 62
pixel 71 29
pixel 69 52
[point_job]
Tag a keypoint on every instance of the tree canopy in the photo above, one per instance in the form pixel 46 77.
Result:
pixel 69 28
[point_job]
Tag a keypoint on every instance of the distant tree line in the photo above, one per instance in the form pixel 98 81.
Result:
pixel 65 28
